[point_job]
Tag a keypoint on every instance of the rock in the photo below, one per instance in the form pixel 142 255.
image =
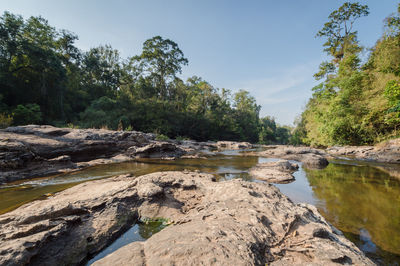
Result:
pixel 386 152
pixel 310 157
pixel 192 145
pixel 63 158
pixel 312 160
pixel 233 222
pixel 30 151
pixel 274 172
pixel 193 156
pixel 157 150
pixel 233 145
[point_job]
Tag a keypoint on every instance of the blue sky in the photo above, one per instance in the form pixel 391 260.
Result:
pixel 266 47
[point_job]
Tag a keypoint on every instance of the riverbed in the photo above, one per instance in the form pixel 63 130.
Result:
pixel 356 197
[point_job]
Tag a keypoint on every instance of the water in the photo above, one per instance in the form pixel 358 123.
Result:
pixel 359 198
pixel 138 232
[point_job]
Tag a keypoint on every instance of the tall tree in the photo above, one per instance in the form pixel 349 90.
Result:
pixel 339 29
pixel 160 61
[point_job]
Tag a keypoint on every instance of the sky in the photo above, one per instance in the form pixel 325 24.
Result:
pixel 266 47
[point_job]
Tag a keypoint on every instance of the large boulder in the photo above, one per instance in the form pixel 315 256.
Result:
pixel 233 145
pixel 163 150
pixel 310 157
pixel 279 172
pixel 226 223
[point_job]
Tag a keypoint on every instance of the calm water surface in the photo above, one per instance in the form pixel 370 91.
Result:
pixel 358 198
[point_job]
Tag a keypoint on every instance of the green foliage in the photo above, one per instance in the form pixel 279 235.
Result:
pixel 45 78
pixel 27 114
pixel 272 133
pixel 339 29
pixel 392 92
pixel 355 104
pixel 161 137
pixel 5 120
pixel 104 112
pixel 129 128
pixel 181 138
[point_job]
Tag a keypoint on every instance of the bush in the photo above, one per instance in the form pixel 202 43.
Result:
pixel 162 137
pixel 27 114
pixel 129 128
pixel 5 120
pixel 181 138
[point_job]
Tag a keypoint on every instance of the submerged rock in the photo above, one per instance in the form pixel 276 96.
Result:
pixel 274 172
pixel 227 223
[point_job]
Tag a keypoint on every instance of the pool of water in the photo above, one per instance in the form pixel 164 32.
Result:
pixel 358 198
pixel 139 232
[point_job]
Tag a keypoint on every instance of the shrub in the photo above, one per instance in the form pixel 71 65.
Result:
pixel 27 114
pixel 5 120
pixel 162 137
pixel 129 128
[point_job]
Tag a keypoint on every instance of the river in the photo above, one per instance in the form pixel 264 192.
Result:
pixel 356 197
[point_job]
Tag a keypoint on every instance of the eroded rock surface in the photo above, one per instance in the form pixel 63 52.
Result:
pixel 29 151
pixel 387 152
pixel 233 145
pixel 163 150
pixel 310 157
pixel 230 223
pixel 275 172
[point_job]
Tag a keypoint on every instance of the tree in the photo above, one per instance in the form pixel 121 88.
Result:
pixel 339 30
pixel 102 71
pixel 247 115
pixel 392 24
pixel 160 61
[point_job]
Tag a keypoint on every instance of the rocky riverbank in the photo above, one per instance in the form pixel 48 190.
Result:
pixel 231 222
pixel 30 151
pixel 310 157
pixel 386 152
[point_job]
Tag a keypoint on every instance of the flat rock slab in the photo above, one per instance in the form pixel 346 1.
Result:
pixel 386 152
pixel 275 172
pixel 310 157
pixel 224 223
pixel 233 145
pixel 39 150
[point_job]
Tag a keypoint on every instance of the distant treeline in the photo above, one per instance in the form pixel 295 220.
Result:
pixel 356 103
pixel 46 79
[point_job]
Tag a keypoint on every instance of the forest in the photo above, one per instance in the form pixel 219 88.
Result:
pixel 46 79
pixel 358 100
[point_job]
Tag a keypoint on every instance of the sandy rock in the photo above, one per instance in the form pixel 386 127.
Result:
pixel 241 223
pixel 192 145
pixel 29 151
pixel 157 150
pixel 310 157
pixel 274 172
pixel 233 145
pixel 230 223
pixel 386 152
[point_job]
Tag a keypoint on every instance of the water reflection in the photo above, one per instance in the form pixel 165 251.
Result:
pixel 364 203
pixel 225 165
pixel 356 197
pixel 138 232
